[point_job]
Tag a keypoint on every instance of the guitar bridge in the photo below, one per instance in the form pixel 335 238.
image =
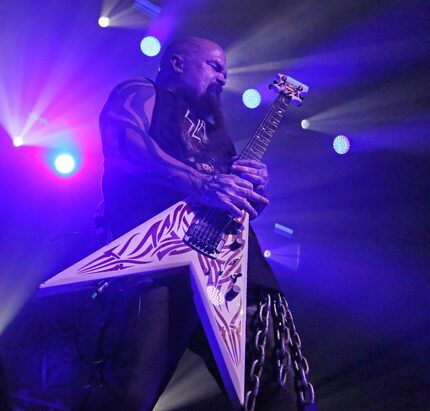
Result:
pixel 204 238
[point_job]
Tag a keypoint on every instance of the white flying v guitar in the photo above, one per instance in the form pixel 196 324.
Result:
pixel 211 246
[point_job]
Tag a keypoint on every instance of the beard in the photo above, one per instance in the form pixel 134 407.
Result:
pixel 208 104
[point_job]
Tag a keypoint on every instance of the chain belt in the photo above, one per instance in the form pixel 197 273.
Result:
pixel 286 336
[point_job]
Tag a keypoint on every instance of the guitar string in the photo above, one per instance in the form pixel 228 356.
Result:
pixel 278 108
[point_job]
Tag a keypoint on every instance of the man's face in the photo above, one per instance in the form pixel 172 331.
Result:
pixel 204 75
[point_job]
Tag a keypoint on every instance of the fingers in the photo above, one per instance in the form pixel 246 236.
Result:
pixel 230 209
pixel 249 166
pixel 251 170
pixel 239 188
pixel 249 163
pixel 254 178
pixel 261 189
pixel 233 195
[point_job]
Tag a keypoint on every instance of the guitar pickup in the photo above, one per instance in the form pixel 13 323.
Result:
pixel 220 246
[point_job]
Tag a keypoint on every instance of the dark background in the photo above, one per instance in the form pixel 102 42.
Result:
pixel 360 295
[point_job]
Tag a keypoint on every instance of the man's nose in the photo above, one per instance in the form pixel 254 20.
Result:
pixel 221 78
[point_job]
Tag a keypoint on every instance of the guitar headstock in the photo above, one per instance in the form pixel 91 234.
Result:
pixel 292 88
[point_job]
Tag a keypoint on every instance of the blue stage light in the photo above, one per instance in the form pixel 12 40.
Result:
pixel 341 144
pixel 305 123
pixel 146 7
pixel 267 253
pixel 150 46
pixel 251 98
pixel 64 163
pixel 284 230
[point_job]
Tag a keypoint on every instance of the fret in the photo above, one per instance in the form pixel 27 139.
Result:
pixel 254 150
pixel 263 139
pixel 252 157
pixel 259 149
pixel 271 129
pixel 257 146
pixel 269 132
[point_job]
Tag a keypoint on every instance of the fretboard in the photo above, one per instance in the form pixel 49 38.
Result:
pixel 263 136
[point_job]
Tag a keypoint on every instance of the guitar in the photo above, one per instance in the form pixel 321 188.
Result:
pixel 209 245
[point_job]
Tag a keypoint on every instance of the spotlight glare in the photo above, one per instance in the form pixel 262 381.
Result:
pixel 150 46
pixel 267 253
pixel 104 21
pixel 341 144
pixel 64 163
pixel 18 141
pixel 216 297
pixel 251 98
pixel 305 123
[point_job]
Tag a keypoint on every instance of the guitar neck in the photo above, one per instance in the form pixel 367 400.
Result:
pixel 257 146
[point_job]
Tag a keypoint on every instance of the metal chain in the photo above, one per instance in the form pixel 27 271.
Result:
pixel 264 309
pixel 282 340
pixel 286 333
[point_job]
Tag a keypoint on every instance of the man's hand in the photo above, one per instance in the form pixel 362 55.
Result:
pixel 256 173
pixel 244 190
pixel 230 193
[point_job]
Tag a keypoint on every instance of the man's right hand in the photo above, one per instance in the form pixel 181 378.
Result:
pixel 229 193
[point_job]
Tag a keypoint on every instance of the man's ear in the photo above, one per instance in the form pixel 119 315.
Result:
pixel 177 62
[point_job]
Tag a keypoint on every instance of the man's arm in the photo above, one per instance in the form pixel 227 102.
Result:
pixel 127 147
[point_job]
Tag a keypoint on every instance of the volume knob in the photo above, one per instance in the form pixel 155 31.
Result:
pixel 237 243
pixel 234 292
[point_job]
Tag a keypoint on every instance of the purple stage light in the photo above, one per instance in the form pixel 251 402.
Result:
pixel 267 253
pixel 341 144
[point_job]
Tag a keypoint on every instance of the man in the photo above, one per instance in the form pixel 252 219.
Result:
pixel 162 142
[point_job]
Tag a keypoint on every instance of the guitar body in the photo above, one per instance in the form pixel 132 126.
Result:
pixel 156 248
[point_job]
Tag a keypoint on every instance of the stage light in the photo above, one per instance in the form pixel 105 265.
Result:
pixel 148 8
pixel 64 163
pixel 341 144
pixel 267 253
pixel 251 98
pixel 150 46
pixel 283 230
pixel 104 21
pixel 305 123
pixel 18 141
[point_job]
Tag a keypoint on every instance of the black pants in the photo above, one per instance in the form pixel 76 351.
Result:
pixel 160 322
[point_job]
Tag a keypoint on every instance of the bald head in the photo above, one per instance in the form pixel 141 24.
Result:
pixel 185 47
pixel 195 68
